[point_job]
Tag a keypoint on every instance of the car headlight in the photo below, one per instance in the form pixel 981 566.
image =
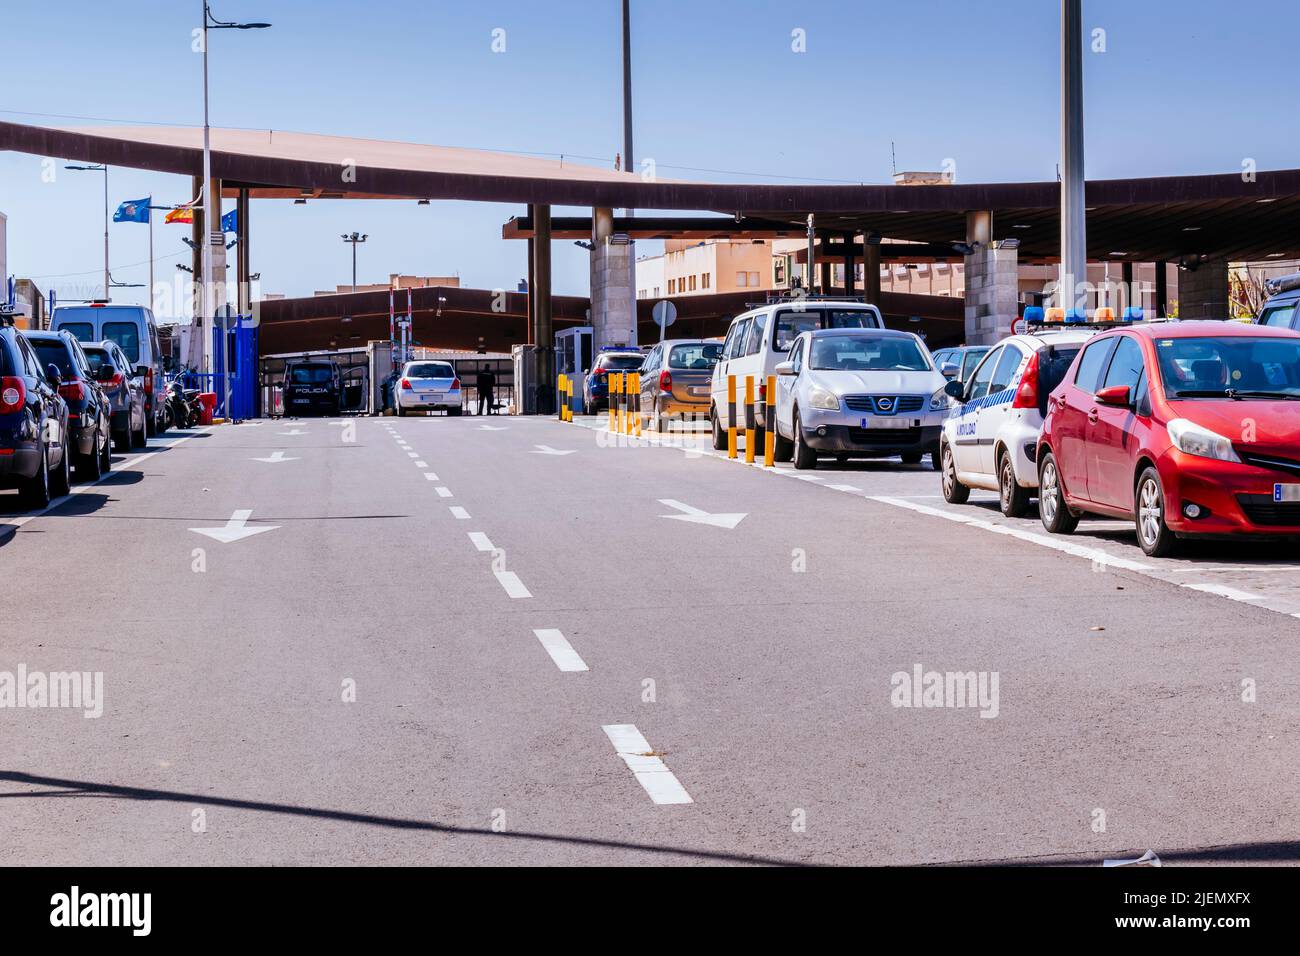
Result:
pixel 1192 439
pixel 939 401
pixel 823 399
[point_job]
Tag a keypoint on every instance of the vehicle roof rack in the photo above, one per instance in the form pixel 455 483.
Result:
pixel 777 298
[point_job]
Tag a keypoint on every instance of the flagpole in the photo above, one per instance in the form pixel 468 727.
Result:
pixel 149 212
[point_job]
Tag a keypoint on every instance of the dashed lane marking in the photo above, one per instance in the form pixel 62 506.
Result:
pixel 481 541
pixel 458 512
pixel 561 651
pixel 514 587
pixel 648 768
pixel 443 492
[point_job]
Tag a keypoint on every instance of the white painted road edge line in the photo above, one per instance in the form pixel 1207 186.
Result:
pixel 514 587
pixel 442 492
pixel 480 541
pixel 561 651
pixel 458 512
pixel 1078 550
pixel 1232 594
pixel 650 771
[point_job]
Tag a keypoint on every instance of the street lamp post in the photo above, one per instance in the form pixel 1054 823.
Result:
pixel 101 167
pixel 212 23
pixel 354 239
pixel 1074 237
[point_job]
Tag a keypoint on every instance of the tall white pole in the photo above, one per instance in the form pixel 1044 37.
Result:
pixel 149 298
pixel 107 278
pixel 1074 238
pixel 206 257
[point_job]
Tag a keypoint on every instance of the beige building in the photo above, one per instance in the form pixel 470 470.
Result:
pixel 707 267
pixel 396 281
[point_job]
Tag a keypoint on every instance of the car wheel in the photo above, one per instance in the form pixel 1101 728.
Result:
pixel 106 456
pixel 1052 509
pixel 91 467
pixel 912 458
pixel 61 480
pixel 150 426
pixel 35 492
pixel 123 441
pixel 455 411
pixel 401 412
pixel 936 459
pixel 719 436
pixel 1012 498
pixel 784 447
pixel 1154 536
pixel 661 422
pixel 954 492
pixel 804 457
pixel 140 438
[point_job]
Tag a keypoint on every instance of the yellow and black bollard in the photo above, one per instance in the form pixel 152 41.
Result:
pixel 560 391
pixel 609 397
pixel 749 419
pixel 568 380
pixel 769 413
pixel 731 416
pixel 636 403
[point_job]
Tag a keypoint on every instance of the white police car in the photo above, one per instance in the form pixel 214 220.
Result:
pixel 990 436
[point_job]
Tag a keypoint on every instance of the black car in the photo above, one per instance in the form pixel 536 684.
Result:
pixel 124 389
pixel 34 450
pixel 89 410
pixel 311 388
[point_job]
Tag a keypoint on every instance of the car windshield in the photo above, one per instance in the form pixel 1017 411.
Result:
pixel 431 370
pixel 126 335
pixel 867 353
pixel 1233 366
pixel 96 358
pixel 82 331
pixel 311 375
pixel 790 323
pixel 1281 316
pixel 620 363
pixel 702 356
pixel 53 352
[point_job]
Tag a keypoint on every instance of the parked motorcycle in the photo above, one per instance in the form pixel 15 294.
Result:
pixel 184 410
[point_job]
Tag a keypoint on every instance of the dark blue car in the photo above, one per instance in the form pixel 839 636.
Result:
pixel 34 453
pixel 595 390
pixel 90 430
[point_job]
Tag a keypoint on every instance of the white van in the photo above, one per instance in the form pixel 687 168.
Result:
pixel 760 339
pixel 133 328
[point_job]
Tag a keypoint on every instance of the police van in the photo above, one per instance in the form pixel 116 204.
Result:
pixel 990 437
pixel 1282 309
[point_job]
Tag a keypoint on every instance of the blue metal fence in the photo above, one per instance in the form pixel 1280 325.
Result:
pixel 241 343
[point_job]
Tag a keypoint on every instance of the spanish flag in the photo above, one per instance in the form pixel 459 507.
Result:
pixel 185 211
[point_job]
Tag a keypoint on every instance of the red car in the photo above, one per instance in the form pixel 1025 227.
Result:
pixel 1188 428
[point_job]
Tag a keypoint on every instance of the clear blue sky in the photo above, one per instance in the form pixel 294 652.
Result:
pixel 1187 87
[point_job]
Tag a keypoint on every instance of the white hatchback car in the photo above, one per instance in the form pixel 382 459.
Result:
pixel 426 386
pixel 990 437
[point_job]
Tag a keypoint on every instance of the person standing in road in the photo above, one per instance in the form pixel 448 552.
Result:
pixel 485 385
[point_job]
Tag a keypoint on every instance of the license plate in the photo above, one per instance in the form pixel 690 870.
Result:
pixel 431 397
pixel 699 389
pixel 1286 492
pixel 887 423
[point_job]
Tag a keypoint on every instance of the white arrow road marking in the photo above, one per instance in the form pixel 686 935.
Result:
pixel 650 771
pixel 697 516
pixel 491 428
pixel 296 431
pixel 235 528
pixel 276 456
pixel 548 450
pixel 561 651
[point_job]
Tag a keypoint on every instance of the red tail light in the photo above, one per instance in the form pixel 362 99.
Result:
pixel 116 381
pixel 13 395
pixel 455 384
pixel 665 381
pixel 406 384
pixel 73 391
pixel 148 380
pixel 599 373
pixel 1027 393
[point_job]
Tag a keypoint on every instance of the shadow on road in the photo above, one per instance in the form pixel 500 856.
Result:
pixel 74 788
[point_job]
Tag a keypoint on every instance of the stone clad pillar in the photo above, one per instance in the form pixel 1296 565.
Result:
pixel 992 281
pixel 1203 292
pixel 613 284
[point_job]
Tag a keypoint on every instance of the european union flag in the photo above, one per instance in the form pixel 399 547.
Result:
pixel 133 210
pixel 230 221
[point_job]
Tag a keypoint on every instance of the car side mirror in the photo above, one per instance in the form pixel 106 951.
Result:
pixel 955 389
pixel 1117 395
pixel 785 368
pixel 949 370
pixel 53 375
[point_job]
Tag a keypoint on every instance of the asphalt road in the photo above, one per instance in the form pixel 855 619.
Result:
pixel 362 681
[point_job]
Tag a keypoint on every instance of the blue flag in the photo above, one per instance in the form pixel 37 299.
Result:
pixel 230 221
pixel 133 210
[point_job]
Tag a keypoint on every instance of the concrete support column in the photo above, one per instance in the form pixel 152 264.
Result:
pixel 871 273
pixel 613 284
pixel 543 336
pixel 1162 289
pixel 850 268
pixel 992 282
pixel 1203 293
